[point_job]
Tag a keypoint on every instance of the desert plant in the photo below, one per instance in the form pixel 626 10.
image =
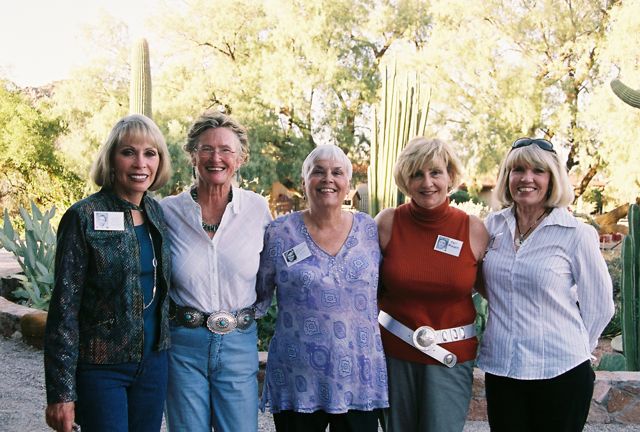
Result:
pixel 140 86
pixel 401 117
pixel 630 294
pixel 35 254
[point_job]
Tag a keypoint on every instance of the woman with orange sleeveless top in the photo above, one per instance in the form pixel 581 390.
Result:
pixel 430 257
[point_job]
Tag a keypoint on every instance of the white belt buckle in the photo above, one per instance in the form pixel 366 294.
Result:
pixel 424 338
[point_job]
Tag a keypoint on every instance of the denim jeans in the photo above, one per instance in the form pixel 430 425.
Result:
pixel 122 397
pixel 213 380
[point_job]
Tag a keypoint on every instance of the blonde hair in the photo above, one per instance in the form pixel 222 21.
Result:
pixel 420 151
pixel 560 192
pixel 133 126
pixel 214 119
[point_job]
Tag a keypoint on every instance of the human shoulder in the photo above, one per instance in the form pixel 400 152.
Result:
pixel 384 219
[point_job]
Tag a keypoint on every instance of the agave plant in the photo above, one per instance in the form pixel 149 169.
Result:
pixel 35 254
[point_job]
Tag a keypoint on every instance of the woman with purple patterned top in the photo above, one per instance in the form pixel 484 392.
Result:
pixel 326 365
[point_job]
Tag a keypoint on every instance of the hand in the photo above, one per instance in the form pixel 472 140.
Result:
pixel 60 416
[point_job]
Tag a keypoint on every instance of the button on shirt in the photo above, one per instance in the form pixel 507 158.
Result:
pixel 219 273
pixel 548 302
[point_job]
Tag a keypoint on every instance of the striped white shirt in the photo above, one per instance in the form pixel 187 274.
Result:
pixel 219 273
pixel 548 302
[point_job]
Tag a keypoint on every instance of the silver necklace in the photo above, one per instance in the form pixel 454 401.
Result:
pixel 522 237
pixel 155 270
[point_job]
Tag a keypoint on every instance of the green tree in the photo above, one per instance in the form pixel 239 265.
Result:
pixel 31 168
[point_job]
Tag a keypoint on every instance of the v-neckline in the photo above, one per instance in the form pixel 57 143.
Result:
pixel 317 246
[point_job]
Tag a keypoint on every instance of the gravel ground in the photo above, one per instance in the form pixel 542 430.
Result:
pixel 22 395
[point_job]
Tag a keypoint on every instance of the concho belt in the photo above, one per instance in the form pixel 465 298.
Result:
pixel 219 322
pixel 427 339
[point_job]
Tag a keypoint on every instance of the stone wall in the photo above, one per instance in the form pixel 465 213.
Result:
pixel 616 398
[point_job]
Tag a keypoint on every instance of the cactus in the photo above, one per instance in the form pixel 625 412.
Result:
pixel 35 254
pixel 630 293
pixel 140 87
pixel 402 117
pixel 626 94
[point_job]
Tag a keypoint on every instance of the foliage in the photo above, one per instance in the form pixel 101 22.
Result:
pixel 473 208
pixel 267 326
pixel 402 115
pixel 35 254
pixel 30 165
pixel 631 291
pixel 482 314
pixel 614 264
pixel 612 362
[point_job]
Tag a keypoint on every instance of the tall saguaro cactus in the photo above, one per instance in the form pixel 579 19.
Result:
pixel 631 291
pixel 625 93
pixel 400 118
pixel 140 86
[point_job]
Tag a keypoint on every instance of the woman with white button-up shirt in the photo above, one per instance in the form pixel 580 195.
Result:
pixel 550 297
pixel 216 233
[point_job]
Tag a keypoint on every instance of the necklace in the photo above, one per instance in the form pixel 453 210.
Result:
pixel 522 237
pixel 205 226
pixel 155 271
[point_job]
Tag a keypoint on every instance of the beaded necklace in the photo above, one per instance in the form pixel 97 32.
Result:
pixel 205 226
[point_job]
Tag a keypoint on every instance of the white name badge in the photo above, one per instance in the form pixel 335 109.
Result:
pixel 108 221
pixel 448 245
pixel 296 254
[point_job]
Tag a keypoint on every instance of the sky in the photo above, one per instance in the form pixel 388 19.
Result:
pixel 40 39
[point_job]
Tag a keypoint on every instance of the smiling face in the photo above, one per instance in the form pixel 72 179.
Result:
pixel 135 163
pixel 528 186
pixel 327 184
pixel 429 185
pixel 217 156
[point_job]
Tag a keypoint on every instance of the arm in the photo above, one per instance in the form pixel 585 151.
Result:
pixel 265 280
pixel 594 287
pixel 479 239
pixel 62 330
pixel 384 221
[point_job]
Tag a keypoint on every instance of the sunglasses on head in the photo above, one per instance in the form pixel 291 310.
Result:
pixel 524 142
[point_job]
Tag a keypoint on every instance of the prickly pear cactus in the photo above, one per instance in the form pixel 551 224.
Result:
pixel 140 87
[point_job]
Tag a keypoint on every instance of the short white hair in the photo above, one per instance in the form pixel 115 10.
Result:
pixel 326 152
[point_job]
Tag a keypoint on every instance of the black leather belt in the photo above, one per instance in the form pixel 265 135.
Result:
pixel 219 322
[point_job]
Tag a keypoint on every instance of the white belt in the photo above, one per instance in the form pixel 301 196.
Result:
pixel 426 339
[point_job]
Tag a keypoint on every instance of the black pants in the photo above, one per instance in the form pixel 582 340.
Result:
pixel 559 404
pixel 351 421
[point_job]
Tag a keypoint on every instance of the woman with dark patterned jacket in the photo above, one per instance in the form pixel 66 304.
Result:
pixel 108 329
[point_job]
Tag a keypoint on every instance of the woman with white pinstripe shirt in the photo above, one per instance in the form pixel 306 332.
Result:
pixel 550 297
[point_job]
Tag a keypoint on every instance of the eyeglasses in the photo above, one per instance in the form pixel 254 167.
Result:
pixel 524 142
pixel 210 151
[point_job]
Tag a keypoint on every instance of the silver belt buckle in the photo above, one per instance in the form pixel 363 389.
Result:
pixel 424 338
pixel 221 322
pixel 245 317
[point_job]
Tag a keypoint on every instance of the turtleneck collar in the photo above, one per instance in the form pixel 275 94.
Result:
pixel 435 214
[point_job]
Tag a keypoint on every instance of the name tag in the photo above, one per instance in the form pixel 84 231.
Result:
pixel 448 245
pixel 108 221
pixel 296 254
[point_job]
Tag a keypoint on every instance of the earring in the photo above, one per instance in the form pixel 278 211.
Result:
pixel 193 171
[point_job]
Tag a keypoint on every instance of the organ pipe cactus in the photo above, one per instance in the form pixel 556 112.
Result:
pixel 401 117
pixel 625 93
pixel 631 291
pixel 140 86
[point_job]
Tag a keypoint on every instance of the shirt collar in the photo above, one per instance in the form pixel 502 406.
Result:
pixel 558 216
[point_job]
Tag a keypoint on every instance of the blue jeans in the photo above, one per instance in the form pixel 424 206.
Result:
pixel 122 397
pixel 213 380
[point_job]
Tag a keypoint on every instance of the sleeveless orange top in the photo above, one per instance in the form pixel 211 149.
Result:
pixel 423 286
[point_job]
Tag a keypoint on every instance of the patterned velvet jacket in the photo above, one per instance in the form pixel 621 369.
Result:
pixel 95 315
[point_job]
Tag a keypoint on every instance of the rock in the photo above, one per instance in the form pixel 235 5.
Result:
pixel 32 326
pixel 616 343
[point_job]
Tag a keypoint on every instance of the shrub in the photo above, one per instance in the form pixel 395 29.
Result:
pixel 35 254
